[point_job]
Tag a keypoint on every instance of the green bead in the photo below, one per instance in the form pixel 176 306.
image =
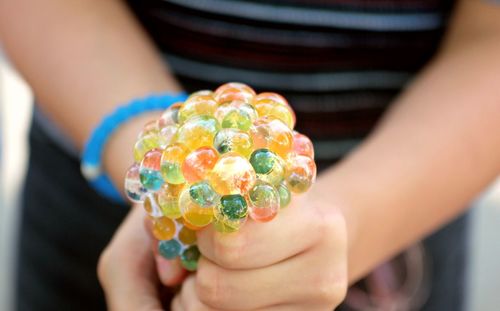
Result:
pixel 189 258
pixel 284 194
pixel 169 249
pixel 233 206
pixel 263 161
pixel 203 194
pixel 151 179
pixel 236 118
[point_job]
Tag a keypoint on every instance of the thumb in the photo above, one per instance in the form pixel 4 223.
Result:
pixel 127 268
pixel 171 272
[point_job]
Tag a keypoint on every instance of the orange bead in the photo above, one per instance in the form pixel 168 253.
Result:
pixel 234 91
pixel 163 228
pixel 198 164
pixel 302 145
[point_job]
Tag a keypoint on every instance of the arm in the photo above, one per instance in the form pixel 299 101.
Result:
pixel 82 58
pixel 434 151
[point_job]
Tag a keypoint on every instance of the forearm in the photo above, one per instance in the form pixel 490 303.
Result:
pixel 83 58
pixel 434 151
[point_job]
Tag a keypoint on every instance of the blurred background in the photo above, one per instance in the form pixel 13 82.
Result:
pixel 15 111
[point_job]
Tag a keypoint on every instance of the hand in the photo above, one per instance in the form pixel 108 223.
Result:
pixel 127 268
pixel 295 262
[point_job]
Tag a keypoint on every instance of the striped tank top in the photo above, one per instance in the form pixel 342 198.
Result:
pixel 339 62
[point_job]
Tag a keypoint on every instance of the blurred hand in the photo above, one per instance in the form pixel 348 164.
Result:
pixel 295 262
pixel 127 268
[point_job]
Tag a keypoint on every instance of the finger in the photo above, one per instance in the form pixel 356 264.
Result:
pixel 190 301
pixel 257 245
pixel 314 275
pixel 170 272
pixel 127 268
pixel 176 304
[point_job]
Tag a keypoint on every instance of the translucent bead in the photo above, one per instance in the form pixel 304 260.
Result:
pixel 233 206
pixel 264 202
pixel 167 133
pixel 198 131
pixel 171 162
pixel 150 127
pixel 168 200
pixel 194 213
pixel 224 224
pixel 146 143
pixel 268 166
pixel 169 249
pixel 151 206
pixel 170 116
pixel 302 145
pixel 149 170
pixel 270 108
pixel 163 228
pixel 197 104
pixel 233 140
pixel 272 96
pixel 189 258
pixel 300 173
pixel 284 194
pixel 272 134
pixel 236 114
pixel 190 226
pixel 232 174
pixel 234 91
pixel 133 187
pixel 198 164
pixel 187 236
pixel 203 194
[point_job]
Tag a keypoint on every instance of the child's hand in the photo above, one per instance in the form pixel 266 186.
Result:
pixel 295 262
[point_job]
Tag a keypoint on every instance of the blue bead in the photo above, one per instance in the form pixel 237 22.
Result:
pixel 169 249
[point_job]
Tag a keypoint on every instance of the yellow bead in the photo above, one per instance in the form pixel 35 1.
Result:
pixel 197 104
pixel 270 108
pixel 234 91
pixel 170 116
pixel 151 206
pixel 171 163
pixel 146 143
pixel 198 131
pixel 300 173
pixel 232 174
pixel 233 140
pixel 272 134
pixel 193 213
pixel 163 228
pixel 187 236
pixel 168 200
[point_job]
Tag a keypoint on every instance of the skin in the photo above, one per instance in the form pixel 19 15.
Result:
pixel 432 153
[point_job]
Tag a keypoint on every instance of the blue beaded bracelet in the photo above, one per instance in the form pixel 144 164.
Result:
pixel 92 153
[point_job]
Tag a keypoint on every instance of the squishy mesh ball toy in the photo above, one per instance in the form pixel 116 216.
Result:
pixel 218 158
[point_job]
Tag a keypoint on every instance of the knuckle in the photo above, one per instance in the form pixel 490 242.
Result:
pixel 332 290
pixel 209 286
pixel 229 250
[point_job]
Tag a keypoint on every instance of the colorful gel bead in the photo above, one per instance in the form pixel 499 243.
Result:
pixel 168 200
pixel 272 96
pixel 149 170
pixel 163 228
pixel 284 194
pixel 149 128
pixel 264 202
pixel 151 206
pixel 268 166
pixel 232 174
pixel 169 249
pixel 194 213
pixel 190 257
pixel 234 91
pixel 198 131
pixel 224 224
pixel 233 206
pixel 198 164
pixel 167 133
pixel 233 140
pixel 272 134
pixel 302 145
pixel 203 194
pixel 134 189
pixel 170 116
pixel 187 236
pixel 171 162
pixel 146 143
pixel 236 114
pixel 300 173
pixel 270 108
pixel 197 104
